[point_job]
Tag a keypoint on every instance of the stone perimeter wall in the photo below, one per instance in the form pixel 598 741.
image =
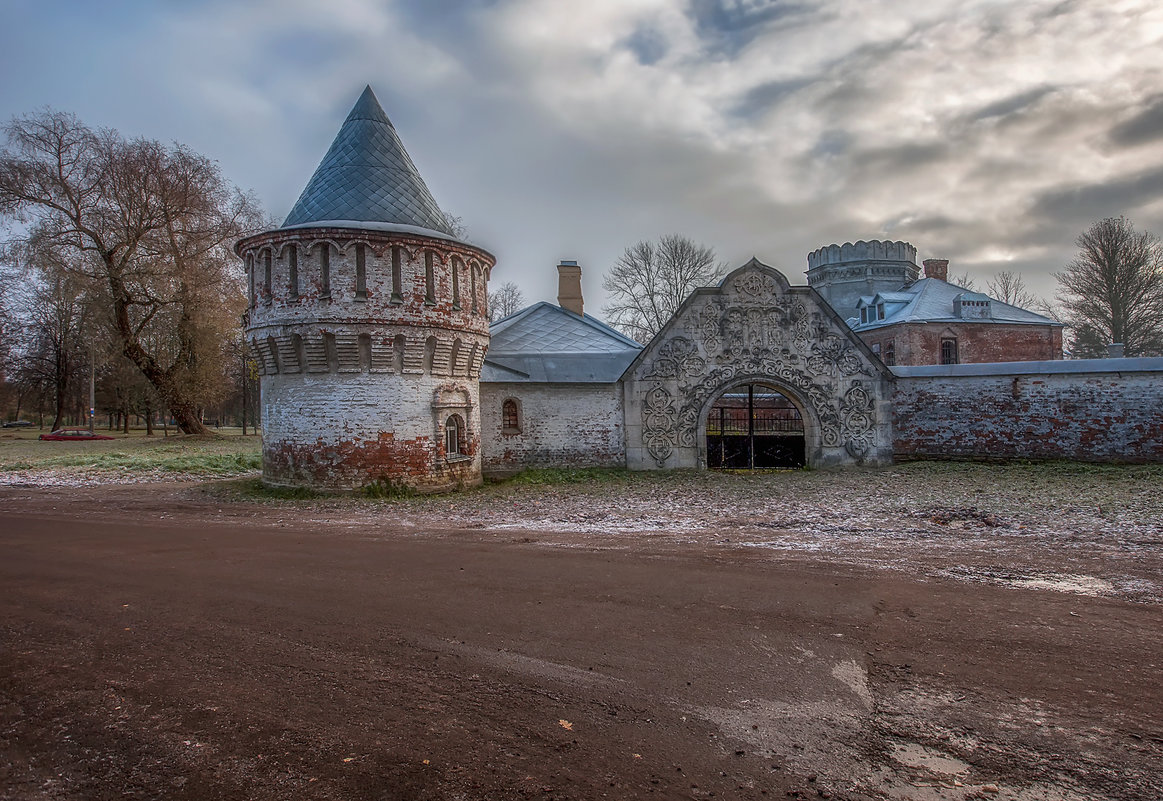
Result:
pixel 561 425
pixel 1102 410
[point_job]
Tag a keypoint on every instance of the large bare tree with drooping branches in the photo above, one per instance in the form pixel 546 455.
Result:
pixel 153 226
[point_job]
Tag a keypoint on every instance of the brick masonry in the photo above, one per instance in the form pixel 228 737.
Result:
pixel 368 343
pixel 920 343
pixel 1097 411
pixel 560 425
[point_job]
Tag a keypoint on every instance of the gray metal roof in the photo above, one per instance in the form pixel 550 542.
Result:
pixel 1057 366
pixel 930 300
pixel 367 176
pixel 546 343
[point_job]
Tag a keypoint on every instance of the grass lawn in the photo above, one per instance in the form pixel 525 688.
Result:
pixel 228 453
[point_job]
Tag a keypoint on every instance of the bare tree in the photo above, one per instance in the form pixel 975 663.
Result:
pixel 1010 288
pixel 152 224
pixel 55 312
pixel 651 280
pixel 1113 290
pixel 505 300
pixel 965 281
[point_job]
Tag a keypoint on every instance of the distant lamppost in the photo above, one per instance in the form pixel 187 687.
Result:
pixel 92 388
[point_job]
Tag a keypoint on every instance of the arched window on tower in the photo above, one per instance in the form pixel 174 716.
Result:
pixel 453 437
pixel 398 346
pixel 397 276
pixel 454 358
pixel 429 279
pixel 250 277
pixel 455 282
pixel 324 270
pixel 293 270
pixel 429 354
pixel 361 271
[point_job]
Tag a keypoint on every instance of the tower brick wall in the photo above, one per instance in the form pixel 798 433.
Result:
pixel 362 370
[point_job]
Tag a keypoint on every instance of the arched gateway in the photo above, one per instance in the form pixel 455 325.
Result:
pixel 756 352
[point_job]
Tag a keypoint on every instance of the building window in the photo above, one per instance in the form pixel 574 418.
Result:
pixel 453 434
pixel 324 270
pixel 455 283
pixel 473 288
pixel 266 290
pixel 876 348
pixel 880 311
pixel 293 270
pixel 510 416
pixel 864 315
pixel 429 279
pixel 949 351
pixel 890 354
pixel 361 271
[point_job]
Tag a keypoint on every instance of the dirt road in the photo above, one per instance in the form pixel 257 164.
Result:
pixel 157 645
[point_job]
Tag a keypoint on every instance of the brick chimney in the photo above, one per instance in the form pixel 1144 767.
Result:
pixel 937 268
pixel 569 291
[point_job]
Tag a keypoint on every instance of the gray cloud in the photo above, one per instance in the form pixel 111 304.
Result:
pixel 1143 128
pixel 1013 104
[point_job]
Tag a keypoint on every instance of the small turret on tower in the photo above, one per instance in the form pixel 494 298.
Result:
pixel 845 273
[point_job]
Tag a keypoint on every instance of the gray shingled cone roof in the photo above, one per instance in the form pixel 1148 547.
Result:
pixel 367 176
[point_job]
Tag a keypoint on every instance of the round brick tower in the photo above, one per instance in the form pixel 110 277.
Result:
pixel 369 321
pixel 845 273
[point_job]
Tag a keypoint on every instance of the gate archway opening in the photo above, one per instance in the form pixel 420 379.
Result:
pixel 754 427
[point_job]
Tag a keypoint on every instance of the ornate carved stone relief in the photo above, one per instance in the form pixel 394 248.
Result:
pixel 658 434
pixel 858 417
pixel 754 331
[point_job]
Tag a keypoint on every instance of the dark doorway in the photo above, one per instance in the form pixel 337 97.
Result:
pixel 754 427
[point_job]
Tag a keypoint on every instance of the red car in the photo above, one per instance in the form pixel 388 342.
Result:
pixel 73 435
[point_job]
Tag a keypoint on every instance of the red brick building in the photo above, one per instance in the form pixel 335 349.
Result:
pixel 931 321
pixel 907 321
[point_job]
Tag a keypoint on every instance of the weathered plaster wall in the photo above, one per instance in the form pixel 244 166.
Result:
pixel 1088 410
pixel 561 425
pixel 347 432
pixel 754 327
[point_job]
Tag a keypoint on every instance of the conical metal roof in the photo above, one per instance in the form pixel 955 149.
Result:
pixel 367 176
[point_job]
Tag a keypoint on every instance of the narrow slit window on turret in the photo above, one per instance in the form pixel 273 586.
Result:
pixel 429 279
pixel 397 277
pixel 250 277
pixel 360 271
pixel 293 270
pixel 324 270
pixel 473 288
pixel 365 353
pixel 399 344
pixel 266 289
pixel 455 283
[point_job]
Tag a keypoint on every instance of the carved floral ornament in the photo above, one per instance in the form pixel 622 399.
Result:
pixel 759 335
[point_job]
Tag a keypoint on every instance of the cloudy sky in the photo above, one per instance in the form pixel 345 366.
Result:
pixel 987 132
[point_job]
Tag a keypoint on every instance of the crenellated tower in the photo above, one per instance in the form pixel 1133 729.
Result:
pixel 369 319
pixel 845 273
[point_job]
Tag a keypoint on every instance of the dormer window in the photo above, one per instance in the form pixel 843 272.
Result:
pixel 880 311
